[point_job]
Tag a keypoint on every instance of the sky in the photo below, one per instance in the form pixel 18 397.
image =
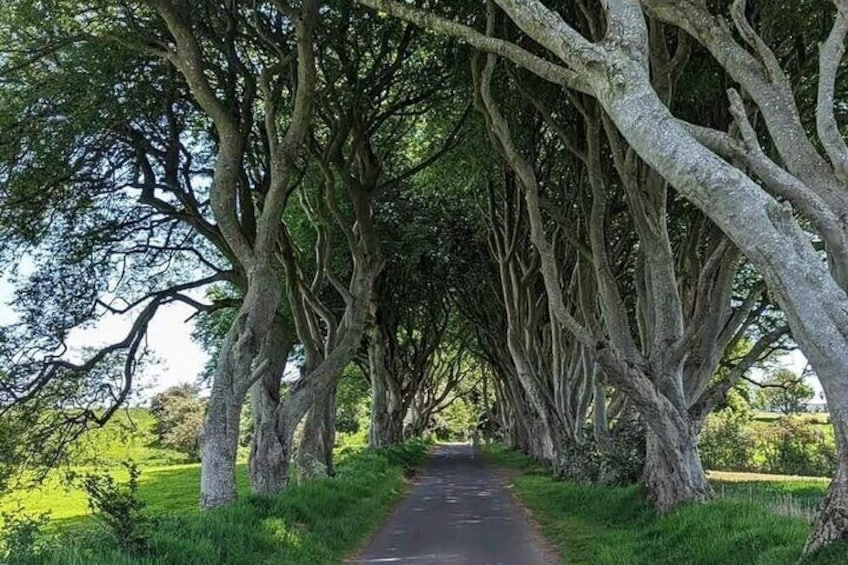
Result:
pixel 181 360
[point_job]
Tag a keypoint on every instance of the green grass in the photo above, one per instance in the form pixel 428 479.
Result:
pixel 616 526
pixel 169 483
pixel 316 523
pixel 798 497
pixel 128 435
pixel 173 488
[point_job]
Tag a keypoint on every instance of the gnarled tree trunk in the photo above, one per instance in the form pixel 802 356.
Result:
pixel 219 446
pixel 269 457
pixel 387 413
pixel 242 345
pixel 673 472
pixel 831 523
pixel 315 450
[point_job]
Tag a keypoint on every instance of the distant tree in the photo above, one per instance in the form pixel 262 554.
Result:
pixel 179 415
pixel 784 391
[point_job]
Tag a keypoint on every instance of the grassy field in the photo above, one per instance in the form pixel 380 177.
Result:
pixel 751 522
pixel 172 489
pixel 169 483
pixel 818 418
pixel 128 435
pixel 317 523
pixel 798 497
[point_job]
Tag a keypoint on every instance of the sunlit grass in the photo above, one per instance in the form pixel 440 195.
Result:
pixel 748 523
pixel 733 477
pixel 168 483
pixel 319 522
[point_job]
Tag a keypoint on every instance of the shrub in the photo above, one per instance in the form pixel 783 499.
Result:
pixel 624 457
pixel 794 446
pixel 727 441
pixel 408 455
pixel 118 508
pixel 22 539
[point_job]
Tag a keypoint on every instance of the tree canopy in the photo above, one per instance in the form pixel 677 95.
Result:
pixel 585 221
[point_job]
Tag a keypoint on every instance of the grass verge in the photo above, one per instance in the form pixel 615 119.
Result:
pixel 616 526
pixel 312 524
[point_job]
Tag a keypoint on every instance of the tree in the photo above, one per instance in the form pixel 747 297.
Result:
pixel 614 68
pixel 151 188
pixel 784 391
pixel 179 413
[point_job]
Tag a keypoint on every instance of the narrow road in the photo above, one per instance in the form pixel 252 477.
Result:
pixel 458 513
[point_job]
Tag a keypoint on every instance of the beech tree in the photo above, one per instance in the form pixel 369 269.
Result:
pixel 531 188
pixel 615 70
pixel 83 208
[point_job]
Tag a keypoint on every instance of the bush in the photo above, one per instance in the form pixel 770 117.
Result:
pixel 22 540
pixel 794 446
pixel 624 458
pixel 118 508
pixel 727 441
pixel 179 413
pixel 789 445
pixel 408 455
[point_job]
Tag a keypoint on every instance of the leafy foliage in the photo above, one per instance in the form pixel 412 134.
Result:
pixel 118 508
pixel 789 445
pixel 352 401
pixel 793 446
pixel 179 413
pixel 727 441
pixel 22 539
pixel 784 391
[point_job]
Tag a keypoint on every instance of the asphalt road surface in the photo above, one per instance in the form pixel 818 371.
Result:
pixel 459 512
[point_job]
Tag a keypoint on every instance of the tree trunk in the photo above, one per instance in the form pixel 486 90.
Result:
pixel 673 472
pixel 220 444
pixel 386 423
pixel 831 523
pixel 269 457
pixel 387 413
pixel 315 451
pixel 233 376
pixel 416 423
pixel 268 460
pixel 514 416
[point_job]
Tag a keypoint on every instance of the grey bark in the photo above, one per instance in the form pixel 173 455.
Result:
pixel 269 457
pixel 831 523
pixel 234 374
pixel 388 409
pixel 237 369
pixel 219 446
pixel 318 437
